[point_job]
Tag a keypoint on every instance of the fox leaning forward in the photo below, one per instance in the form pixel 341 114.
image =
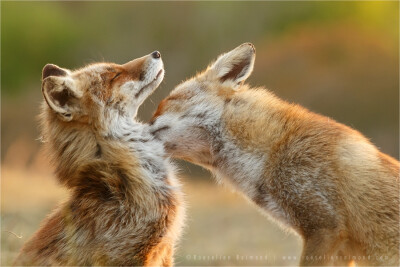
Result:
pixel 313 175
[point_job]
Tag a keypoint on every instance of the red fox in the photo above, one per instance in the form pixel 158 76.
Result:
pixel 320 178
pixel 126 206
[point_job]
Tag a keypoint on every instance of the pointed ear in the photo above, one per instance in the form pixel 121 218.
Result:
pixel 53 70
pixel 236 65
pixel 61 96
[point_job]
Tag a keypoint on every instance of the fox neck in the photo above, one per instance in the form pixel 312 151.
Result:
pixel 73 145
pixel 239 145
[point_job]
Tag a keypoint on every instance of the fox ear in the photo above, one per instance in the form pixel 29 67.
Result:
pixel 61 96
pixel 53 70
pixel 236 65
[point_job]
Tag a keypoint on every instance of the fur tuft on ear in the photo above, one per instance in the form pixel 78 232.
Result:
pixel 236 65
pixel 53 70
pixel 61 97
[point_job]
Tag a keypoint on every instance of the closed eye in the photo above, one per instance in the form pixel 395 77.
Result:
pixel 116 76
pixel 159 130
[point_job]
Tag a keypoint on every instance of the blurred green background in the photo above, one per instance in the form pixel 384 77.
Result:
pixel 340 59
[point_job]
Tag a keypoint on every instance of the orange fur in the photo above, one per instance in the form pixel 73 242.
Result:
pixel 123 209
pixel 320 178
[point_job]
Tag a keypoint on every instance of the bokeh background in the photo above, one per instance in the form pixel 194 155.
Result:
pixel 340 59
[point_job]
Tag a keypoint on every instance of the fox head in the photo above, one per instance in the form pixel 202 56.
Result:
pixel 101 92
pixel 188 120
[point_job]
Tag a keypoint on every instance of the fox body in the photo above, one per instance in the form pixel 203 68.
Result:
pixel 315 176
pixel 125 206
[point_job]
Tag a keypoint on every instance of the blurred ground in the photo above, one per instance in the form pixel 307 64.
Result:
pixel 222 228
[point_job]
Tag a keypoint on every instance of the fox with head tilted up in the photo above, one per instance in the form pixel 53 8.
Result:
pixel 318 177
pixel 125 206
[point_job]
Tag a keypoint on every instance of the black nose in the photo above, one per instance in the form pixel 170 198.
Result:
pixel 156 54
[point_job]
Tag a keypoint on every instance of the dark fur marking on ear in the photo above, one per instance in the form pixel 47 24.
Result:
pixel 52 70
pixel 238 68
pixel 62 97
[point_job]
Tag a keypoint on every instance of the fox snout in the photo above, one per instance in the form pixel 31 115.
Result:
pixel 146 68
pixel 146 74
